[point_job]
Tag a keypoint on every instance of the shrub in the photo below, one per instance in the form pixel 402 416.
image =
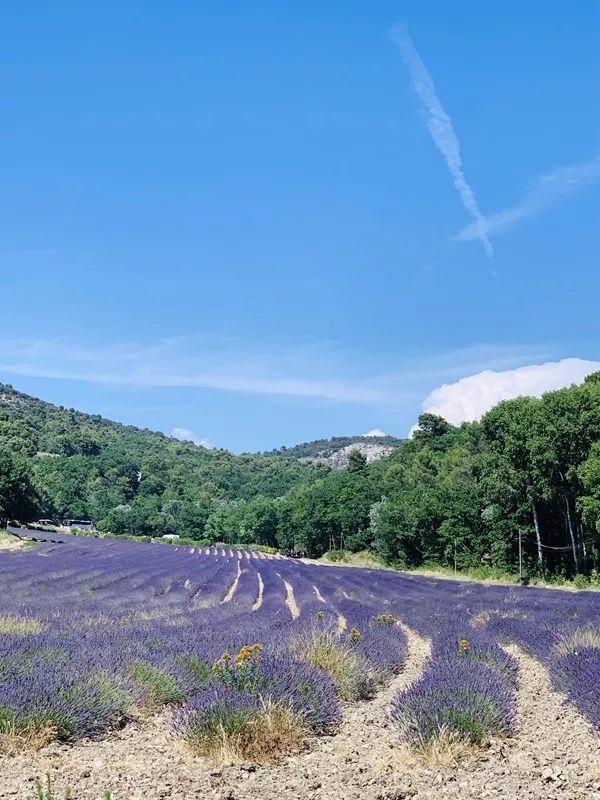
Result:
pixel 335 555
pixel 328 650
pixel 227 725
pixel 465 696
pixel 581 581
pixel 577 639
pixel 159 686
pixel 471 701
pixel 307 690
pixel 59 704
pixel 577 674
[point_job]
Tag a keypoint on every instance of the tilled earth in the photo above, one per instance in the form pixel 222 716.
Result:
pixel 556 755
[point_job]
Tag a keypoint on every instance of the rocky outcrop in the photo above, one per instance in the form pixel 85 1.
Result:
pixel 339 459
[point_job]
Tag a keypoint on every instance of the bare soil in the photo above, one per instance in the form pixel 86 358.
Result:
pixel 555 755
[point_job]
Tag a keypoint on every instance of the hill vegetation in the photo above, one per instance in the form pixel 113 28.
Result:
pixel 127 479
pixel 451 496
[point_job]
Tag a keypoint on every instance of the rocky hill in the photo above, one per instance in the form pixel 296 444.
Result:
pixel 334 452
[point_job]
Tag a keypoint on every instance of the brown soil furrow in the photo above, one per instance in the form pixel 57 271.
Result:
pixel 261 589
pixel 290 600
pixel 233 588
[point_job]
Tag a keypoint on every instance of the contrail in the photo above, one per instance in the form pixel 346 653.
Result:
pixel 442 131
pixel 542 193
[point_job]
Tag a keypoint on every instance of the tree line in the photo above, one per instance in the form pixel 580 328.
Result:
pixel 453 496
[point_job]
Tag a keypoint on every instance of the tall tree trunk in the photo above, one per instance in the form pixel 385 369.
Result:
pixel 582 538
pixel 538 536
pixel 572 534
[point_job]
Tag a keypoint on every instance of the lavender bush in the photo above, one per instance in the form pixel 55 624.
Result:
pixel 91 627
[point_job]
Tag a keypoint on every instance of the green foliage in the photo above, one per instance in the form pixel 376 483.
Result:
pixel 17 495
pixel 334 555
pixel 159 686
pixel 44 789
pixel 429 426
pixel 356 461
pixel 198 668
pixel 58 463
pixel 581 581
pixel 452 497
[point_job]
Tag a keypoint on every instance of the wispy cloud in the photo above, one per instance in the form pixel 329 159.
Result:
pixel 542 193
pixel 322 372
pixel 295 373
pixel 442 131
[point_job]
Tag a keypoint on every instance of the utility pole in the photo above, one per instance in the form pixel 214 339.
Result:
pixel 520 556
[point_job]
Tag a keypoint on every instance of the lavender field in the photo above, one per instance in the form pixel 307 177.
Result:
pixel 252 656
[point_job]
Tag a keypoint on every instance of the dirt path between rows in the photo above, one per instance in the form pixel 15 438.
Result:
pixel 290 600
pixel 261 588
pixel 555 755
pixel 233 588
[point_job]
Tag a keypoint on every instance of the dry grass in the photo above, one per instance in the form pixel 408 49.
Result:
pixel 20 626
pixel 13 742
pixel 581 637
pixel 482 618
pixel 266 739
pixel 202 602
pixel 324 649
pixel 447 749
pixel 9 542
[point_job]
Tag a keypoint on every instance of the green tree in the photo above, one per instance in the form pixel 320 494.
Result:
pixel 356 461
pixel 17 496
pixel 430 426
pixel 260 521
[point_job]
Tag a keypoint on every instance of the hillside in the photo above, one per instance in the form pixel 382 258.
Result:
pixel 460 497
pixel 133 479
pixel 335 451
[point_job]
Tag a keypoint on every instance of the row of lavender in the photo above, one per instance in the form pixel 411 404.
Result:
pixel 89 628
pixel 469 685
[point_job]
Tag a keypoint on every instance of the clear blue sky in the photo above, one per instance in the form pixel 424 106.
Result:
pixel 231 217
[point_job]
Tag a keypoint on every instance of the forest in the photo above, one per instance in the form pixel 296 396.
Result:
pixel 459 497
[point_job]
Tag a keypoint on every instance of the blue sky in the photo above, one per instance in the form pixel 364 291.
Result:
pixel 247 219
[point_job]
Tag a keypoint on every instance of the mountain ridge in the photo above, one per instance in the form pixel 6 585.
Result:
pixel 318 450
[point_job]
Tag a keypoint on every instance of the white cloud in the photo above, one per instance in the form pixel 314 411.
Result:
pixel 469 398
pixel 375 432
pixel 442 131
pixel 542 193
pixel 186 435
